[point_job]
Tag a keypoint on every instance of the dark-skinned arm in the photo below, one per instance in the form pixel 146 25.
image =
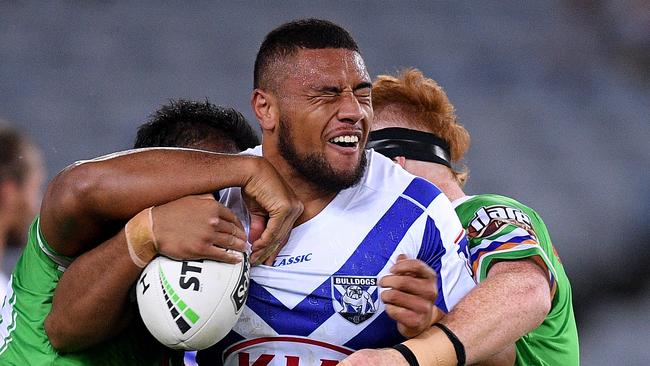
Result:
pixel 91 302
pixel 89 201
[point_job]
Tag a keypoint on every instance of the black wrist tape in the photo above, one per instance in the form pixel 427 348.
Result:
pixel 458 345
pixel 407 353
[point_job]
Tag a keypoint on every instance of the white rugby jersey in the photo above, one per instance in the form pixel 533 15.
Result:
pixel 319 301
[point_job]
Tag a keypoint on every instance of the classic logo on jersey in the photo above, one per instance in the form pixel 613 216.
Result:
pixel 285 260
pixel 355 297
pixel 491 219
pixel 240 293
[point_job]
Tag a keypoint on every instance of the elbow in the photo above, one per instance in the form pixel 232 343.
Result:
pixel 64 337
pixel 527 285
pixel 538 296
pixel 78 183
pixel 69 203
pixel 57 336
pixel 71 190
pixel 545 305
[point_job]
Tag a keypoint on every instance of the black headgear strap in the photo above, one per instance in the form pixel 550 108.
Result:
pixel 411 144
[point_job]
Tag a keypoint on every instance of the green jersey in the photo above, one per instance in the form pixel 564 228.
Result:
pixel 29 298
pixel 500 228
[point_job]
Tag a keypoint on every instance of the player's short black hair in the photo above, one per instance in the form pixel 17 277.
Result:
pixel 185 123
pixel 13 145
pixel 286 39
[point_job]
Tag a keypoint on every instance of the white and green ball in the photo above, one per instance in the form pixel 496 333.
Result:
pixel 191 305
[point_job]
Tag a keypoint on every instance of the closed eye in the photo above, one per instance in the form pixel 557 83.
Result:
pixel 329 91
pixel 363 96
pixel 364 92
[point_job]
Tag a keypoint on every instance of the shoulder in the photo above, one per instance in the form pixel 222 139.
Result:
pixel 474 203
pixel 482 212
pixel 384 175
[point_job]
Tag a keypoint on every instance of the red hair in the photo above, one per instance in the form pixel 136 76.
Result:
pixel 421 104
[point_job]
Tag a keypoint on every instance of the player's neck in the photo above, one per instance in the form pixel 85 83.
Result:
pixel 312 196
pixel 452 190
pixel 437 174
pixel 446 183
pixel 313 206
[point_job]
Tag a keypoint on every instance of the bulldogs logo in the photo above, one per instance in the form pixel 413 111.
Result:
pixel 354 297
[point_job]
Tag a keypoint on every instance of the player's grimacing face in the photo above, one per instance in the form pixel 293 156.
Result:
pixel 326 110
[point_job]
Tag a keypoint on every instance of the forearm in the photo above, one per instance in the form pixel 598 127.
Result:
pixel 142 178
pixel 510 302
pixel 506 357
pixel 91 302
pixel 85 200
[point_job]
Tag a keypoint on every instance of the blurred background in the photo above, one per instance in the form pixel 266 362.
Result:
pixel 556 95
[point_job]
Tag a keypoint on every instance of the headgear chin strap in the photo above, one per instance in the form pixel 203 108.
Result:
pixel 411 144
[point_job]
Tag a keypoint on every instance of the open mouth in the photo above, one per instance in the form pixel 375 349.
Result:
pixel 345 140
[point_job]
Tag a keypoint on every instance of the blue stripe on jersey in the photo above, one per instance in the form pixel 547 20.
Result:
pixel 381 333
pixel 303 319
pixel 367 260
pixel 475 253
pixel 431 251
pixel 422 191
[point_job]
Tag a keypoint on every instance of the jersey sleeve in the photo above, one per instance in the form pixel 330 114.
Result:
pixel 444 248
pixel 35 234
pixel 504 232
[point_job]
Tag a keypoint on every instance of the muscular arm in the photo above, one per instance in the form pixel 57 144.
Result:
pixel 89 201
pixel 91 301
pixel 513 300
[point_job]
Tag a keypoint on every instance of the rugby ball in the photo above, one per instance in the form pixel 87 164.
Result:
pixel 191 304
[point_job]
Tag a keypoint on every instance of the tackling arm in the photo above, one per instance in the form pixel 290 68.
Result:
pixel 89 201
pixel 91 301
pixel 513 299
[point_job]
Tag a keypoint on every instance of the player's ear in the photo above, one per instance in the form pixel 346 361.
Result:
pixel 400 160
pixel 266 110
